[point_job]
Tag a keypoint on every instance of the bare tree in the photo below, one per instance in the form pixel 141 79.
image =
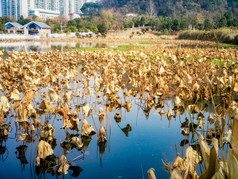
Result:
pixel 151 9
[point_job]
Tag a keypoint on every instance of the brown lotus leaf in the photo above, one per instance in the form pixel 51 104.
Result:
pixel 151 173
pixel 2 87
pixel 101 113
pixel 32 128
pixel 86 109
pixel 204 149
pixel 102 135
pixel 117 116
pixel 127 106
pixel 15 95
pixel 161 112
pixel 48 131
pixel 64 166
pixel 74 121
pixel 53 96
pixel 76 141
pixel 78 93
pixel 31 111
pixel 178 102
pixel 44 149
pixel 169 113
pixel 234 136
pixel 4 104
pixel 2 121
pixel 184 132
pixel 68 96
pixel 235 89
pixel 192 157
pixel 22 137
pixel 86 129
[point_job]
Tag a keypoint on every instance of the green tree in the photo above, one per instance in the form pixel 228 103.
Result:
pixel 142 21
pixel 72 23
pixel 229 17
pixel 23 21
pixel 131 24
pixel 222 22
pixel 3 21
pixel 176 25
pixel 208 24
pixel 107 19
pixel 91 8
pixel 102 29
pixel 184 23
pixel 56 28
pixel 92 27
pixel 72 28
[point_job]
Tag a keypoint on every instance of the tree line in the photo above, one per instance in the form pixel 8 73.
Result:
pixel 111 20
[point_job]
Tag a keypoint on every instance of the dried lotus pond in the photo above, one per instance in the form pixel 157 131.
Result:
pixel 164 112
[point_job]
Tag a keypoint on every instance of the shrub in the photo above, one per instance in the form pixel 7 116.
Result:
pixel 221 35
pixel 166 32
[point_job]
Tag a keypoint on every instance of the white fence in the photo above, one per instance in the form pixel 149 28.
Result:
pixel 18 37
pixel 73 34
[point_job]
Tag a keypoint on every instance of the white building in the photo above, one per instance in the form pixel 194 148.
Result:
pixel 73 7
pixel 14 8
pixel 44 14
pixel 42 8
pixel 0 8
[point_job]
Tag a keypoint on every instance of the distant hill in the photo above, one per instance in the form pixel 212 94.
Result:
pixel 174 8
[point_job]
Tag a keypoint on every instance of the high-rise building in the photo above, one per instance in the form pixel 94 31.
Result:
pixel 52 5
pixel 78 5
pixel 23 9
pixel 71 6
pixel 0 8
pixel 42 8
pixel 31 4
pixel 14 8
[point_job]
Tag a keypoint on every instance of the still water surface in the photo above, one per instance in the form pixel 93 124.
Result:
pixel 127 154
pixel 135 144
pixel 46 46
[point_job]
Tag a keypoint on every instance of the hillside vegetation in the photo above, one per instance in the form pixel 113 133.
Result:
pixel 174 8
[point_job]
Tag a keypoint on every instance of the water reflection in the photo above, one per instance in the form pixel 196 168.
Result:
pixel 47 46
pixel 66 139
pixel 52 124
pixel 4 131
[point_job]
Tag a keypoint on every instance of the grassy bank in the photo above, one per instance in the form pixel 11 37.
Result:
pixel 220 35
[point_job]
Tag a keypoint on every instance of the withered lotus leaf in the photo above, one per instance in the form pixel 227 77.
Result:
pixel 86 109
pixel 64 166
pixel 101 113
pixel 53 96
pixel 15 95
pixel 204 149
pixel 170 113
pixel 183 74
pixel 178 102
pixel 102 135
pixel 44 150
pixel 151 173
pixel 76 141
pixel 86 129
pixel 4 104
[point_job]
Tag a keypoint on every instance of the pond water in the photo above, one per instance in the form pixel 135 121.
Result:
pixel 136 143
pixel 46 46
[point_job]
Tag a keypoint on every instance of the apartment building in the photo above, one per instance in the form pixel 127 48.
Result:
pixel 13 8
pixel 42 8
